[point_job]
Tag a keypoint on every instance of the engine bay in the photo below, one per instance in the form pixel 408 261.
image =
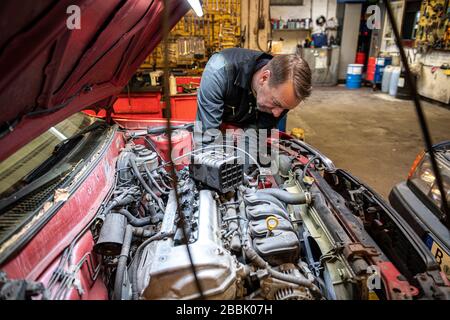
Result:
pixel 217 228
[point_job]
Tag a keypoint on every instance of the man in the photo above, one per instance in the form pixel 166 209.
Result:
pixel 249 89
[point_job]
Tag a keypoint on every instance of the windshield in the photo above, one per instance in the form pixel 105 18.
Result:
pixel 15 168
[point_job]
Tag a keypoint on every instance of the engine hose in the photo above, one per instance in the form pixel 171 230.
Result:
pixel 307 166
pixel 143 233
pixel 122 263
pixel 163 129
pixel 153 181
pixel 165 185
pixel 122 199
pixel 301 282
pixel 259 262
pixel 144 184
pixel 134 266
pixel 135 222
pixel 287 197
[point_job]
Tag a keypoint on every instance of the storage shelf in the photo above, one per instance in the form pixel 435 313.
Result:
pixel 291 29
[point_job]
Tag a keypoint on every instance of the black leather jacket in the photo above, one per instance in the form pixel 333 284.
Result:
pixel 225 93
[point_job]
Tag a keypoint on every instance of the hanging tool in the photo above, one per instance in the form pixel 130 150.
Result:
pixel 208 30
pixel 212 22
pixel 220 35
pixel 195 26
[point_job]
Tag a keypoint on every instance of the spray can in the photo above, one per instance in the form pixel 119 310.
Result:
pixel 172 85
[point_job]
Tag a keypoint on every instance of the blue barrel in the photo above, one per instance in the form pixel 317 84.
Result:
pixel 381 63
pixel 354 75
pixel 282 124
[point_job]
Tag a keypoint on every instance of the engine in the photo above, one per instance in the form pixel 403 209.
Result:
pixel 215 229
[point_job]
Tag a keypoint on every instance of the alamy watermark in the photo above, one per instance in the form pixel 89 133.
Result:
pixel 374 280
pixel 374 20
pixel 249 146
pixel 73 21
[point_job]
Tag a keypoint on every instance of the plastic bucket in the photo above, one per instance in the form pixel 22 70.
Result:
pixel 355 68
pixel 371 68
pixel 353 81
pixel 379 69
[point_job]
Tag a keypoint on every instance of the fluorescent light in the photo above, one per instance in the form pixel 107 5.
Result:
pixel 197 7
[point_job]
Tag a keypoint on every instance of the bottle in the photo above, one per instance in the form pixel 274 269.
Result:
pixel 386 79
pixel 172 85
pixel 393 84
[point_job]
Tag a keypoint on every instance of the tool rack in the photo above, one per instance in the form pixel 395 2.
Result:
pixel 194 39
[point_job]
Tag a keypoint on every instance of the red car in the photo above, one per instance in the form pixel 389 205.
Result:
pixel 90 208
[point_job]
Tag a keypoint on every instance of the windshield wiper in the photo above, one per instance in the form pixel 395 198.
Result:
pixel 59 172
pixel 59 152
pixel 49 170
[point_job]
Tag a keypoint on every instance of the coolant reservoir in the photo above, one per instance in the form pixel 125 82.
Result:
pixel 181 144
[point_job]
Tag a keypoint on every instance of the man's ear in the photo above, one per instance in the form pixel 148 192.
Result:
pixel 265 76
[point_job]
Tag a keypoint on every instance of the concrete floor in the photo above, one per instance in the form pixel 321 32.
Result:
pixel 371 134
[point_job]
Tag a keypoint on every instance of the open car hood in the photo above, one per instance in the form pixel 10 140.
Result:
pixel 50 71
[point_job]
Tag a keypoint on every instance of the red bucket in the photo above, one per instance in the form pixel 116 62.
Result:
pixel 360 57
pixel 371 65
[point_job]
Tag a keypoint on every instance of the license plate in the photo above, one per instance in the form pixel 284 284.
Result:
pixel 440 255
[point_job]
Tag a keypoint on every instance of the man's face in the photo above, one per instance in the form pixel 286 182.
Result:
pixel 275 99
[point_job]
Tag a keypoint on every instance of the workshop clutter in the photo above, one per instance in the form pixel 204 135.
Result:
pixel 194 39
pixel 139 103
pixel 183 107
pixel 434 24
pixel 150 103
pixel 291 24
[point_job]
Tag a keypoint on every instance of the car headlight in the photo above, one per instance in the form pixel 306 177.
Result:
pixel 423 178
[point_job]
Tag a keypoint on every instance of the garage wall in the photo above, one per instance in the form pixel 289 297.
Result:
pixel 432 82
pixel 350 32
pixel 310 9
pixel 249 20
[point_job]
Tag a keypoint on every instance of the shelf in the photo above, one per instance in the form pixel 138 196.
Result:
pixel 291 29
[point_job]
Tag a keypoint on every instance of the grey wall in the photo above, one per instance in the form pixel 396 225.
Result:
pixel 350 33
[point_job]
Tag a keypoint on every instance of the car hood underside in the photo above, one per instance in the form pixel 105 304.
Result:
pixel 59 57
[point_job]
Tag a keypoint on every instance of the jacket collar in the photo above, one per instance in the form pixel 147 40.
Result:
pixel 246 69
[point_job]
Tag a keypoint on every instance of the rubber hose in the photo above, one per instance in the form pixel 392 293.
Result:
pixel 287 197
pixel 165 185
pixel 144 184
pixel 259 262
pixel 153 181
pixel 135 222
pixel 122 263
pixel 118 200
